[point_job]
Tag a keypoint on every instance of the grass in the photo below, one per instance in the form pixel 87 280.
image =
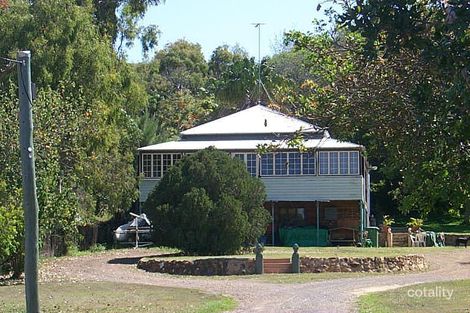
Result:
pixel 455 227
pixel 321 252
pixel 112 297
pixel 400 301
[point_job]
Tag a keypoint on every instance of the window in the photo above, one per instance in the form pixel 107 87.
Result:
pixel 147 165
pixel 354 162
pixel 308 163
pixel 294 163
pixel 323 159
pixel 342 163
pixel 251 164
pixel 239 156
pixel 155 165
pixel 267 164
pixel 166 163
pixel 281 163
pixel 333 163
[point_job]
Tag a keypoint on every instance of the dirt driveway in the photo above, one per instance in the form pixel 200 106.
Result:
pixel 338 295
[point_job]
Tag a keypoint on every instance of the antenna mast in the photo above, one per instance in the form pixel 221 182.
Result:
pixel 258 25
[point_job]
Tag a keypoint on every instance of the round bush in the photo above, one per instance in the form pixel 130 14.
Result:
pixel 208 204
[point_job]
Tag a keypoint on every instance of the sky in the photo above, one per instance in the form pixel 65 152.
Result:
pixel 212 23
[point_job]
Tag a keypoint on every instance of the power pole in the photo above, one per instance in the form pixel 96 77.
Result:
pixel 30 201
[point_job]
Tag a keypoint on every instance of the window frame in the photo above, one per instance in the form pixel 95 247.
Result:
pixel 156 167
pixel 339 167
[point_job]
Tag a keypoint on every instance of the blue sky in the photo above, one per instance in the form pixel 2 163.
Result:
pixel 212 23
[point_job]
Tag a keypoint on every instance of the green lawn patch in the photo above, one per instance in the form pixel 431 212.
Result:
pixel 439 297
pixel 455 227
pixel 114 297
pixel 324 252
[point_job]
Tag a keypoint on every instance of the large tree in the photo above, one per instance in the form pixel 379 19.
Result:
pixel 402 89
pixel 84 131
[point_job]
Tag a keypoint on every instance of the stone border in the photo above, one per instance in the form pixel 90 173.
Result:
pixel 201 267
pixel 244 266
pixel 403 263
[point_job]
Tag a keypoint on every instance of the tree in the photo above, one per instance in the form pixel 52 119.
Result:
pixel 208 204
pixel 84 132
pixel 175 81
pixel 400 87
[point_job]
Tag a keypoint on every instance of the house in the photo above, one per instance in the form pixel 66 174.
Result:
pixel 315 197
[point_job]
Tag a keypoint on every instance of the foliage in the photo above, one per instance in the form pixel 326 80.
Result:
pixel 396 82
pixel 175 80
pixel 388 220
pixel 11 236
pixel 118 20
pixel 415 222
pixel 208 204
pixel 84 135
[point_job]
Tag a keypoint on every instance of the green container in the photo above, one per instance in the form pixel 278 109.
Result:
pixel 373 235
pixel 303 236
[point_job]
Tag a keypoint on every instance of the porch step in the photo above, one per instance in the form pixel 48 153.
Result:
pixel 271 261
pixel 277 266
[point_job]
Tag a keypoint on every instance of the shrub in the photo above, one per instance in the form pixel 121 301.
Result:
pixel 208 204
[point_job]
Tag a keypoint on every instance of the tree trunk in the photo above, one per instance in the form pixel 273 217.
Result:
pixel 94 238
pixel 17 265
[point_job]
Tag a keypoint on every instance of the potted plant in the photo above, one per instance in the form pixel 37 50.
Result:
pixel 387 222
pixel 415 224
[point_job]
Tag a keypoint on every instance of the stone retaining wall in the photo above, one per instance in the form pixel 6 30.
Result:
pixel 243 266
pixel 372 264
pixel 202 267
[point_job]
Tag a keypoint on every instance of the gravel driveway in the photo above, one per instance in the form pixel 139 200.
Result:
pixel 337 295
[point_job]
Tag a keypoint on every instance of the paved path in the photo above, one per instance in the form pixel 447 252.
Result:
pixel 329 296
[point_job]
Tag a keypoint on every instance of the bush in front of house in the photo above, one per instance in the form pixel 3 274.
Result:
pixel 208 204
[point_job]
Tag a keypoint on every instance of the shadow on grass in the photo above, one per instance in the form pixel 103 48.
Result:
pixel 135 260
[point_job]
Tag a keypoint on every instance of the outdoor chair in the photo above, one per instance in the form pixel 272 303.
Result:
pixel 418 239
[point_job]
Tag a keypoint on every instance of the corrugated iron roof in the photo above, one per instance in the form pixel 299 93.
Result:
pixel 246 145
pixel 255 120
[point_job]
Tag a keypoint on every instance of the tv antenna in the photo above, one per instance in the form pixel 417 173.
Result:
pixel 258 25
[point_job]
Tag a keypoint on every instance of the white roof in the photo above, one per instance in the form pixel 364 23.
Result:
pixel 249 145
pixel 255 120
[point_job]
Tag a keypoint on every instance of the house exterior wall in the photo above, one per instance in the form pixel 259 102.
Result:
pixel 145 187
pixel 311 188
pixel 295 188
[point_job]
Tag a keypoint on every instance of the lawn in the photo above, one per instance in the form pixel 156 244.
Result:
pixel 113 297
pixel 455 227
pixel 322 252
pixel 440 297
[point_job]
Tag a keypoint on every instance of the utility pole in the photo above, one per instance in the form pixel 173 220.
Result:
pixel 30 201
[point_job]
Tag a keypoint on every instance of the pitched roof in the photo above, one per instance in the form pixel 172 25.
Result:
pixel 255 120
pixel 247 145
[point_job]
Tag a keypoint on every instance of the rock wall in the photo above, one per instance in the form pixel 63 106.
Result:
pixel 242 266
pixel 370 264
pixel 202 267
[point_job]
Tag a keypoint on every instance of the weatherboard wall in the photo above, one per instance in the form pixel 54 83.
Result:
pixel 295 188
